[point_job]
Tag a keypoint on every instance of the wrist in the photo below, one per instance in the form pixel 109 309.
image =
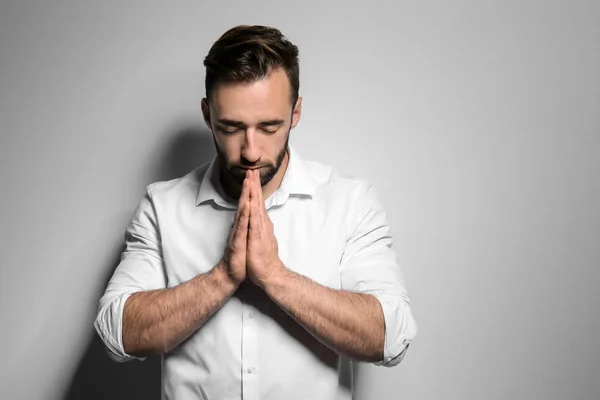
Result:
pixel 224 278
pixel 278 274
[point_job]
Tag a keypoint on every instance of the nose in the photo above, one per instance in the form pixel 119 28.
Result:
pixel 250 150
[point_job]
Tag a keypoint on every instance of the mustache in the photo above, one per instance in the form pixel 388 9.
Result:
pixel 246 166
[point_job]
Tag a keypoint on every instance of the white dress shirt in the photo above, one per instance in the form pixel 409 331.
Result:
pixel 329 227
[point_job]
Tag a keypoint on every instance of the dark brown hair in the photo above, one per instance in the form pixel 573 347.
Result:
pixel 248 53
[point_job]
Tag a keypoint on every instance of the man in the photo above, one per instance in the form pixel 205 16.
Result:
pixel 259 275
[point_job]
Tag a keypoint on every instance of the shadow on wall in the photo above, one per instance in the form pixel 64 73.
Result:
pixel 98 377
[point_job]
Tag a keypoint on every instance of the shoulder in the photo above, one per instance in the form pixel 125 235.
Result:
pixel 336 183
pixel 185 186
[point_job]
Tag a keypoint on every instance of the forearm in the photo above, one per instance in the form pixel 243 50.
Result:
pixel 156 321
pixel 347 322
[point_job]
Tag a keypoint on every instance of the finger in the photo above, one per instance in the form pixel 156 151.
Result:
pixel 240 231
pixel 244 195
pixel 253 224
pixel 261 200
pixel 259 204
pixel 253 191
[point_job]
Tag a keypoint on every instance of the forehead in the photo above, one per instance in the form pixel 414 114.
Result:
pixel 266 99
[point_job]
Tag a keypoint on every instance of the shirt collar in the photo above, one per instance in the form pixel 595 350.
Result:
pixel 297 181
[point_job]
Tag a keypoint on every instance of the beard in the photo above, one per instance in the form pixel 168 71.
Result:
pixel 235 171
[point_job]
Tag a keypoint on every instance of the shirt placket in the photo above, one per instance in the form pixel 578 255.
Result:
pixel 250 371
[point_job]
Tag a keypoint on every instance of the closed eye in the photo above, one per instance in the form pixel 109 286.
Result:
pixel 229 131
pixel 270 129
pixel 272 126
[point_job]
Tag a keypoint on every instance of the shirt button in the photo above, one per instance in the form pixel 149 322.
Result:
pixel 250 315
pixel 250 370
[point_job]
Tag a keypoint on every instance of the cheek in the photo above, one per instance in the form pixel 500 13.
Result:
pixel 230 146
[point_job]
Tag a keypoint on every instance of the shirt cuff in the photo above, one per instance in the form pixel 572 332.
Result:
pixel 400 329
pixel 109 325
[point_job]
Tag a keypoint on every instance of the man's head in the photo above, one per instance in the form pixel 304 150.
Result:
pixel 252 102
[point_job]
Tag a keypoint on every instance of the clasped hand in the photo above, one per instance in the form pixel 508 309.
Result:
pixel 251 249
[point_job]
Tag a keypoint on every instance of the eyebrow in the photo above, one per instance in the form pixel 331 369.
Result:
pixel 228 122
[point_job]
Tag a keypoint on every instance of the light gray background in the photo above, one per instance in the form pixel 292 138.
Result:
pixel 477 121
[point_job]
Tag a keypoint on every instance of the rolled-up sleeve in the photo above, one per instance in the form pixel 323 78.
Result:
pixel 369 265
pixel 140 269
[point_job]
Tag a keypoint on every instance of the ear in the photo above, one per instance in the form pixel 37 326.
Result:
pixel 206 112
pixel 297 112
